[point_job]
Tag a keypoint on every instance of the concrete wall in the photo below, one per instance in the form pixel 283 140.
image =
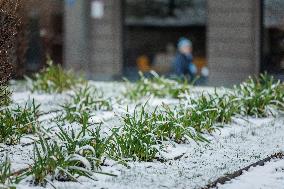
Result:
pixel 233 40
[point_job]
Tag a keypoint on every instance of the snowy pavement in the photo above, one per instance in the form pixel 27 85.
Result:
pixel 269 176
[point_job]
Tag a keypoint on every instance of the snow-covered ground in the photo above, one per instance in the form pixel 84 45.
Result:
pixel 238 146
pixel 243 142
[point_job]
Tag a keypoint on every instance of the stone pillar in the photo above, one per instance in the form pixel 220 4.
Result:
pixel 107 51
pixel 76 36
pixel 233 40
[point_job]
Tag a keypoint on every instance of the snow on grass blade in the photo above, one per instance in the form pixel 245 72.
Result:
pixel 8 179
pixel 177 125
pixel 207 111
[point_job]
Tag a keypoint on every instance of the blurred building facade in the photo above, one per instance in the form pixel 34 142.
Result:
pixel 41 33
pixel 104 39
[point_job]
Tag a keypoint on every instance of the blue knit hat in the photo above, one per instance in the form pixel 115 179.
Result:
pixel 184 42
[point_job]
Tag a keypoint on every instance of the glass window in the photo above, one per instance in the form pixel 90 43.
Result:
pixel 166 12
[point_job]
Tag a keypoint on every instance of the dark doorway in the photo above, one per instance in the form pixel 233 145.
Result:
pixel 43 28
pixel 273 37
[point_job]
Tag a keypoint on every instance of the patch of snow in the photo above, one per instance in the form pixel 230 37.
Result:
pixel 269 176
pixel 173 152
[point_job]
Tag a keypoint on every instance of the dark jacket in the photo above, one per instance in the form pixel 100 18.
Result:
pixel 183 65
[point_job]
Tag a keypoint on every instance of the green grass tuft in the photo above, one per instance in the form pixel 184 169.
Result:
pixel 256 95
pixel 75 154
pixel 5 173
pixel 53 79
pixel 83 102
pixel 18 121
pixel 136 139
pixel 157 86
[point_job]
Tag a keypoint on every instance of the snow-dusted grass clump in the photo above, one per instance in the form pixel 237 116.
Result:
pixel 53 79
pixel 83 102
pixel 157 86
pixel 256 96
pixel 67 156
pixel 18 121
pixel 135 139
pixel 52 160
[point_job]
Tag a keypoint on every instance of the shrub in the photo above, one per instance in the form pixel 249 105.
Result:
pixel 156 85
pixel 18 121
pixel 53 79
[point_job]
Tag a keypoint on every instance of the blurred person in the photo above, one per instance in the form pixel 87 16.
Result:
pixel 183 62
